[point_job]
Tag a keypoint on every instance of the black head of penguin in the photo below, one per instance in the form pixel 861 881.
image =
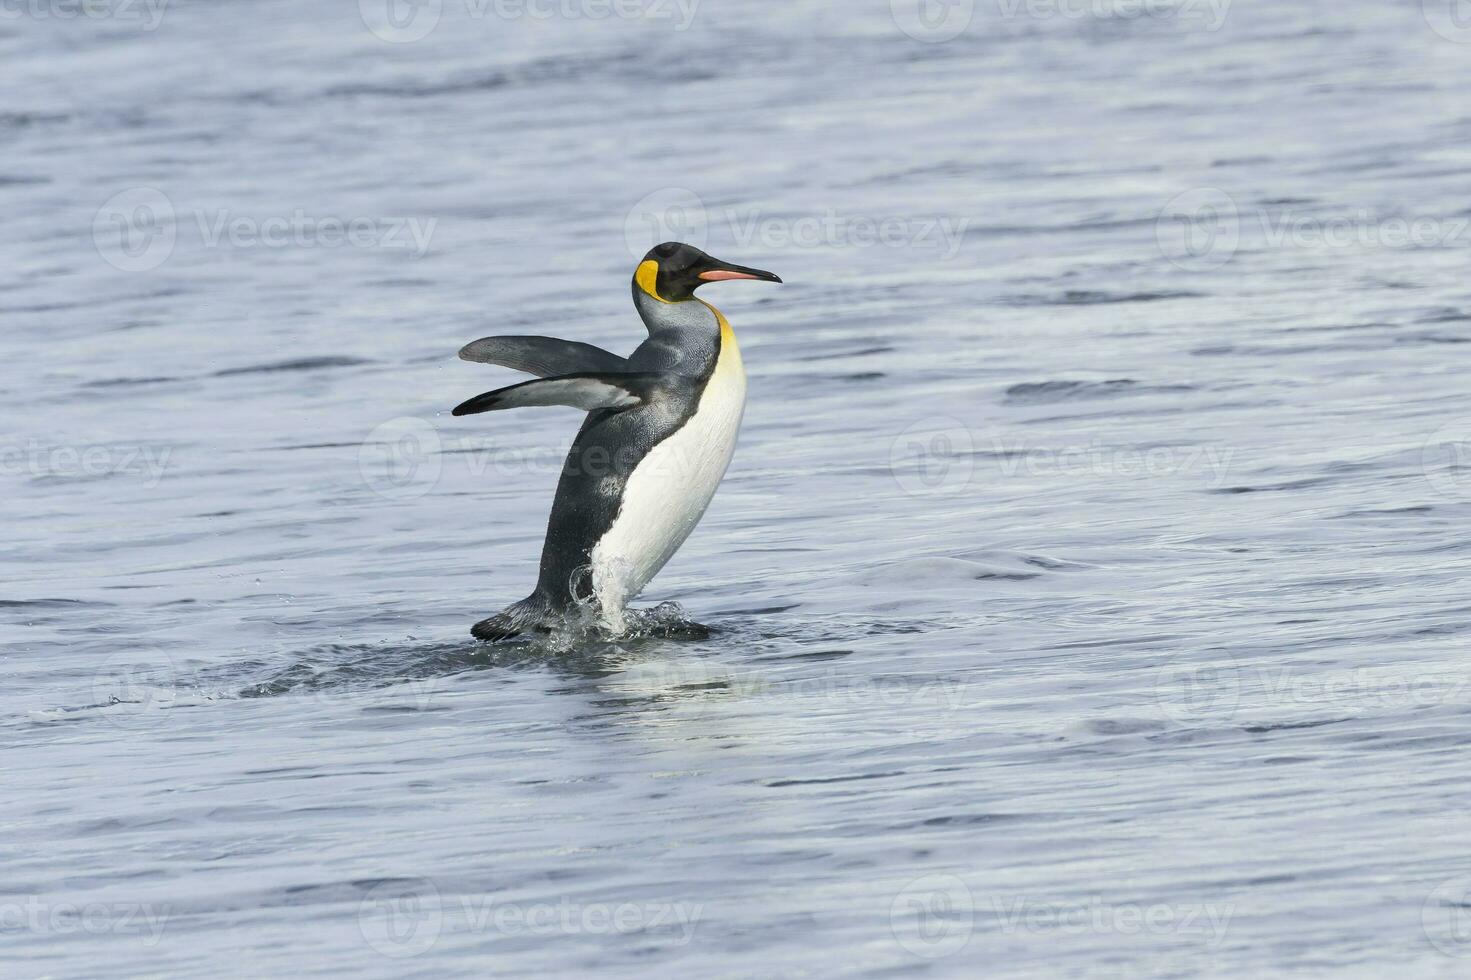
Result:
pixel 671 272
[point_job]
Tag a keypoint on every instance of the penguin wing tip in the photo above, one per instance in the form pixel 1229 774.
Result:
pixel 482 351
pixel 472 407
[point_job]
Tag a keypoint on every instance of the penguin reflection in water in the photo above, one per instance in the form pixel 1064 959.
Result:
pixel 659 434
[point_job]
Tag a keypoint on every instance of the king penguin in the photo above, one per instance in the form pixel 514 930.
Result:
pixel 660 431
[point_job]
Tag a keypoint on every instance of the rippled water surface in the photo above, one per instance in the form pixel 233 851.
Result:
pixel 1088 590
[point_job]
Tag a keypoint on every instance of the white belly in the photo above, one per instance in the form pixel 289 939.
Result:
pixel 667 493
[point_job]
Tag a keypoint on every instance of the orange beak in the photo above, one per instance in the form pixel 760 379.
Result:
pixel 738 272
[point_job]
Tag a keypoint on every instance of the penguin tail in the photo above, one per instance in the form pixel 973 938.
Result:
pixel 515 619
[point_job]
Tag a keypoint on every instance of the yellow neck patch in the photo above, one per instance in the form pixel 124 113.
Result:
pixel 647 277
pixel 727 335
pixel 729 358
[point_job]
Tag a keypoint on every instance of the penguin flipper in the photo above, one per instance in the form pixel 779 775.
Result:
pixel 588 392
pixel 544 357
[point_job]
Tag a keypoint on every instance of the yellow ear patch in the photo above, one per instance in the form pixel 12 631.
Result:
pixel 647 277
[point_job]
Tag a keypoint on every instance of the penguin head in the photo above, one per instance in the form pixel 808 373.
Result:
pixel 671 272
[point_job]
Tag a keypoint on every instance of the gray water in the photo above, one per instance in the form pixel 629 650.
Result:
pixel 1089 586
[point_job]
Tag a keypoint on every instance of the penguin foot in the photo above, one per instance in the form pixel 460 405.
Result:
pixel 529 613
pixel 493 629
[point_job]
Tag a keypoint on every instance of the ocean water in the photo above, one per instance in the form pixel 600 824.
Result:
pixel 1089 589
